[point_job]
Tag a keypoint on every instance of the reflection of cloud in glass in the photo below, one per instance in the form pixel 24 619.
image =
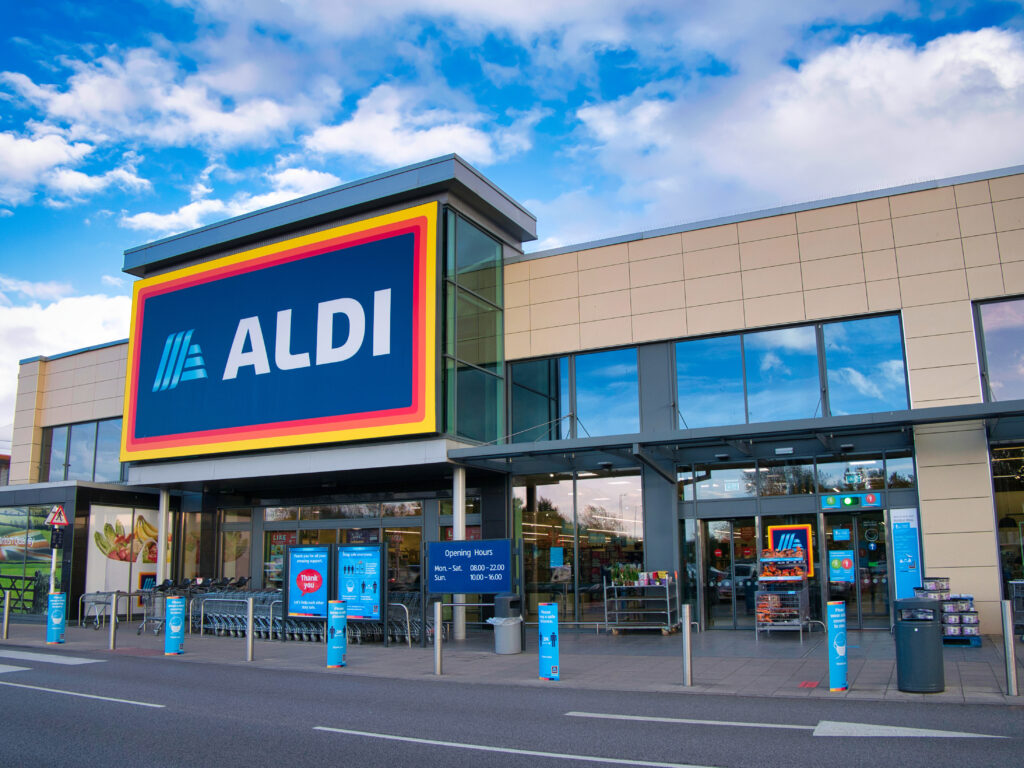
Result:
pixel 859 382
pixel 772 362
pixel 790 339
pixel 864 361
pixel 607 393
pixel 1003 315
pixel 709 377
pixel 1002 325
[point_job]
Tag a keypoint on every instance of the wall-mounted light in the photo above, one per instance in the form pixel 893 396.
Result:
pixel 784 451
pixel 722 456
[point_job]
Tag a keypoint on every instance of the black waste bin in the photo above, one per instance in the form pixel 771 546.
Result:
pixel 919 646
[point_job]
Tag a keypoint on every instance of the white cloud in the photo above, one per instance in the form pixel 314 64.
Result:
pixel 48 328
pixel 29 290
pixel 800 339
pixel 877 111
pixel 114 281
pixel 75 185
pixel 771 362
pixel 287 184
pixel 25 161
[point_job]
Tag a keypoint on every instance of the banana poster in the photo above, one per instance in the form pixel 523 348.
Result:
pixel 122 548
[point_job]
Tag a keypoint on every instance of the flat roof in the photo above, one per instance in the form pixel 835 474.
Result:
pixel 48 358
pixel 443 174
pixel 767 212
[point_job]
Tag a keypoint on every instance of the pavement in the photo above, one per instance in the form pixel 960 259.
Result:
pixel 731 663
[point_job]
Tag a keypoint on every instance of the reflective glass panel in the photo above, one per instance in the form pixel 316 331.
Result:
pixel 55 458
pixel 862 473
pixel 341 511
pixel 709 378
pixel 402 509
pixel 607 393
pixel 478 332
pixel 237 515
pixel 478 262
pixel 786 477
pixel 900 471
pixel 193 545
pixel 279 514
pixel 540 403
pixel 480 404
pixel 685 482
pixel 108 451
pixel 472 506
pixel 1002 325
pixel 82 451
pixel 403 559
pixel 864 362
pixel 235 554
pixel 730 481
pixel 782 375
pixel 543 510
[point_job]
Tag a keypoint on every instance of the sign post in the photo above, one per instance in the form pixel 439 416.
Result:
pixel 548 641
pixel 337 630
pixel 59 521
pixel 174 627
pixel 56 614
pixel 837 645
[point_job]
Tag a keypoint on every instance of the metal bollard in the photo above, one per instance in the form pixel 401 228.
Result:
pixel 687 647
pixel 113 622
pixel 249 634
pixel 438 628
pixel 7 611
pixel 1010 655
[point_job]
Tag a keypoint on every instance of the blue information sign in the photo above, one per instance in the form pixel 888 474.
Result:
pixel 840 534
pixel 548 641
pixel 174 629
pixel 56 615
pixel 361 580
pixel 337 633
pixel 840 565
pixel 471 567
pixel 837 646
pixel 308 571
pixel 906 551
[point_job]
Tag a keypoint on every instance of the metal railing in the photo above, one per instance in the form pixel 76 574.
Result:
pixel 438 628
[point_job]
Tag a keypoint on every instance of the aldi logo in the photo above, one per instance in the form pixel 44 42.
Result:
pixel 323 338
pixel 793 537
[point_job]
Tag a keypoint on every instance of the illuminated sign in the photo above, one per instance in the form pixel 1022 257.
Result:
pixel 851 501
pixel 792 537
pixel 322 338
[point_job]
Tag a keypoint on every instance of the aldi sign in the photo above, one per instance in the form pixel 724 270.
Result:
pixel 323 338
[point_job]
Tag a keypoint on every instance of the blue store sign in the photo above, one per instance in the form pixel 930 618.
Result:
pixel 547 641
pixel 337 633
pixel 470 567
pixel 840 565
pixel 307 581
pixel 361 580
pixel 906 551
pixel 174 629
pixel 56 617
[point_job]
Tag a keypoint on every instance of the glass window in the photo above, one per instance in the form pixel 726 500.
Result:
pixel 543 508
pixel 685 482
pixel 55 456
pixel 478 333
pixel 607 393
pixel 473 533
pixel 340 511
pixel 709 378
pixel 782 374
pixel 403 559
pixel 275 543
pixel 108 451
pixel 729 481
pixel 235 554
pixel 478 261
pixel 864 363
pixel 540 400
pixel 472 506
pixel 900 471
pixel 863 473
pixel 402 509
pixel 1002 328
pixel 190 561
pixel 280 514
pixel 237 515
pixel 479 409
pixel 1008 481
pixel 82 451
pixel 786 477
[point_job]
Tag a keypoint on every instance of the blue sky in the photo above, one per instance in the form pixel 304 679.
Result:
pixel 125 122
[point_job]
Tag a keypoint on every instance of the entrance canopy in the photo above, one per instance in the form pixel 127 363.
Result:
pixel 664 451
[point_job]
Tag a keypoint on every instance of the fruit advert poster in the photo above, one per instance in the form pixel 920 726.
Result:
pixel 121 540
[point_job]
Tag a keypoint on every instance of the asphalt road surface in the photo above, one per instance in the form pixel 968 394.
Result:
pixel 99 709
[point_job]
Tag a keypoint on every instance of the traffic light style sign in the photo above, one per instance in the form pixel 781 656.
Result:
pixel 851 501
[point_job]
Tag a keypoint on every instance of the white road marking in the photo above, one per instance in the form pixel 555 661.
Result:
pixel 506 750
pixel 684 721
pixel 823 728
pixel 83 695
pixel 48 658
pixel 9 668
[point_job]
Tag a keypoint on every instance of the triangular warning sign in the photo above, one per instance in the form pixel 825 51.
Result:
pixel 57 516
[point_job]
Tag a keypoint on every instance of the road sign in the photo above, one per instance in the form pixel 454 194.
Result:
pixel 57 516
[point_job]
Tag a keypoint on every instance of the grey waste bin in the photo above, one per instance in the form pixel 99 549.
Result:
pixel 507 623
pixel 919 646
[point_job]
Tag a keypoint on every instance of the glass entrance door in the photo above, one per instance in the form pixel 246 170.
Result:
pixel 857 566
pixel 730 572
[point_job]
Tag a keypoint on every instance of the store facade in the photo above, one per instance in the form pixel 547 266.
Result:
pixel 382 362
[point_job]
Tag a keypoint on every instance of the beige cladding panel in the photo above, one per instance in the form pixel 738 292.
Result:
pixel 518 272
pixel 1013 277
pixel 712 237
pixel 925 228
pixel 972 193
pixel 713 318
pixel 946 515
pixel 774 310
pixel 606 279
pixel 713 261
pixel 109 408
pixel 976 220
pixel 603 257
pixel 605 305
pixel 714 290
pixel 828 243
pixel 665 269
pixel 985 282
pixel 876 235
pixel 771 281
pixel 655 326
pixel 773 226
pixel 944 445
pixel 826 218
pixel 839 301
pixel 938 319
pixel 931 386
pixel 769 253
pixel 657 298
pixel 1007 187
pixel 517 345
pixel 554 288
pixel 958 550
pixel 925 201
pixel 883 295
pixel 553 341
pixel 939 351
pixel 929 258
pixel 842 270
pixel 880 265
pixel 1009 214
pixel 553 265
pixel 554 313
pixel 873 210
pixel 934 288
pixel 1011 245
pixel 963 481
pixel 517 319
pixel 517 294
pixel 655 247
pixel 981 250
pixel 606 333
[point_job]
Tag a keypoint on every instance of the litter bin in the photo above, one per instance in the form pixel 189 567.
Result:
pixel 919 646
pixel 506 622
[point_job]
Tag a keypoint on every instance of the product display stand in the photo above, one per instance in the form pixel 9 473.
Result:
pixel 782 600
pixel 642 605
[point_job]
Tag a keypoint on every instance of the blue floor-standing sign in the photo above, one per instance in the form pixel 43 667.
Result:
pixel 548 643
pixel 56 614
pixel 337 626
pixel 174 626
pixel 837 646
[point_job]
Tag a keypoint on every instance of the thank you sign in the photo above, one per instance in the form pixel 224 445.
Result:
pixel 308 571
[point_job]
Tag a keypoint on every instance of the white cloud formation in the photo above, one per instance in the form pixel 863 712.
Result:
pixel 114 281
pixel 25 161
pixel 877 111
pixel 287 184
pixel 75 185
pixel 49 328
pixel 29 290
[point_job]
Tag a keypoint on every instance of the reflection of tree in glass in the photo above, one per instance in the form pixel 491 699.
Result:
pixel 593 516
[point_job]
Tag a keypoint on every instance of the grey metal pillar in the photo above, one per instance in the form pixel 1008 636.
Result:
pixel 459 534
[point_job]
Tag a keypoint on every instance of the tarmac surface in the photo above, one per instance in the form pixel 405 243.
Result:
pixel 731 663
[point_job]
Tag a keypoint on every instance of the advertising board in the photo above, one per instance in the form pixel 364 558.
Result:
pixel 361 582
pixel 322 338
pixel 470 567
pixel 308 573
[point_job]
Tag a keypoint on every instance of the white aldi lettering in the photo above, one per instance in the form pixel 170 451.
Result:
pixel 249 334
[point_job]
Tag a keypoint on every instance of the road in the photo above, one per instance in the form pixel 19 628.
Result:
pixel 102 709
